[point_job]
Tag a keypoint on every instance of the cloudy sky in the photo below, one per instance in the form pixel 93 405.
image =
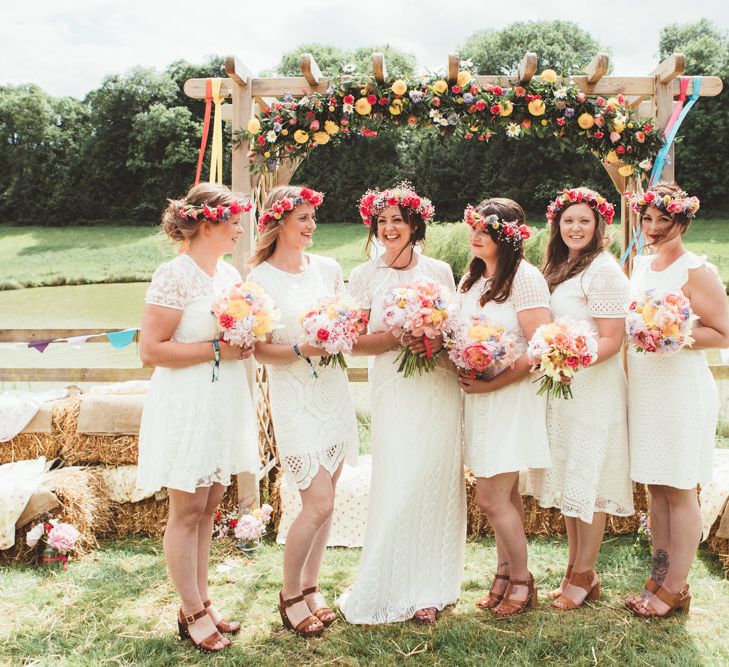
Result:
pixel 67 47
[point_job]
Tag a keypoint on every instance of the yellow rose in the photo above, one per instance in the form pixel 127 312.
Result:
pixel 399 87
pixel 672 331
pixel 618 126
pixel 396 107
pixel 362 106
pixel 537 108
pixel 626 170
pixel 436 316
pixel 464 76
pixel 267 154
pixel 648 313
pixel 331 127
pixel 254 126
pixel 263 325
pixel 301 137
pixel 613 102
pixel 478 332
pixel 321 138
pixel 585 121
pixel 440 86
pixel 549 75
pixel 285 132
pixel 550 331
pixel 238 308
pixel 506 108
pixel 612 157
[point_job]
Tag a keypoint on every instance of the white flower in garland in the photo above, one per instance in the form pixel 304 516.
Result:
pixel 512 130
pixel 349 68
pixel 560 93
pixel 271 136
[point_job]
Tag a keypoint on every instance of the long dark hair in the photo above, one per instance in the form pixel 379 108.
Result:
pixel 417 231
pixel 510 252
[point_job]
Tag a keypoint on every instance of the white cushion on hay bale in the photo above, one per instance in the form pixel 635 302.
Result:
pixel 714 496
pixel 350 506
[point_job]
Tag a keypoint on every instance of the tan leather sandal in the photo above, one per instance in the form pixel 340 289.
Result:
pixel 311 626
pixel 325 614
pixel 651 585
pixel 229 627
pixel 553 595
pixel 681 601
pixel 493 598
pixel 508 607
pixel 207 645
pixel 581 580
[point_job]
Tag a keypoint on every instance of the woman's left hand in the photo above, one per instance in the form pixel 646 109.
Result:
pixel 417 345
pixel 473 386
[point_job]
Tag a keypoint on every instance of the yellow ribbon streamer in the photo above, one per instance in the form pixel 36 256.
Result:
pixel 216 154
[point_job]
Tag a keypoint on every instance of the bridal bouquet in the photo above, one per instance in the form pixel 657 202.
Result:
pixel 418 309
pixel 660 324
pixel 56 539
pixel 245 314
pixel 564 347
pixel 334 324
pixel 481 347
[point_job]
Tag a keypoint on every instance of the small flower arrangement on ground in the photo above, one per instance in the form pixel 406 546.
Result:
pixel 56 541
pixel 563 347
pixel 660 324
pixel 481 347
pixel 251 527
pixel 333 324
pixel 245 314
pixel 223 524
pixel 418 309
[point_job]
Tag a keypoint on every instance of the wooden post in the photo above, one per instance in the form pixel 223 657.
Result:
pixel 453 62
pixel 527 67
pixel 310 69
pixel 597 68
pixel 378 67
pixel 664 75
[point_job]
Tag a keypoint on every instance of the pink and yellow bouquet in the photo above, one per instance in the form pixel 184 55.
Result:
pixel 418 309
pixel 333 324
pixel 251 526
pixel 564 347
pixel 482 347
pixel 56 539
pixel 660 324
pixel 245 314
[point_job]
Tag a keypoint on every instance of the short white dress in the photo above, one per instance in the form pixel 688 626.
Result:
pixel 415 539
pixel 588 434
pixel 673 400
pixel 195 432
pixel 313 417
pixel 506 430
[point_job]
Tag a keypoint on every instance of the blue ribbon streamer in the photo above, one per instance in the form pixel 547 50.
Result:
pixel 120 339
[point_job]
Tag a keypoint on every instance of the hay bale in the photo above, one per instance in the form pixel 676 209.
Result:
pixel 720 547
pixel 95 449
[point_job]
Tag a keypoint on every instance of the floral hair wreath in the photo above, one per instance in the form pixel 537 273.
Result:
pixel 403 194
pixel 581 196
pixel 508 230
pixel 212 213
pixel 283 206
pixel 679 203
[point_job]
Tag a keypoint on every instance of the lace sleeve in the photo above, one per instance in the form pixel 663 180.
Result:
pixel 339 288
pixel 529 289
pixel 358 287
pixel 608 290
pixel 167 288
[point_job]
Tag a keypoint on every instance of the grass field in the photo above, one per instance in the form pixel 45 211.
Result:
pixel 116 606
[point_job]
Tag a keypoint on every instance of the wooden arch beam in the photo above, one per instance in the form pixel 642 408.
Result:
pixel 598 67
pixel 527 67
pixel 310 69
pixel 237 71
pixel 378 67
pixel 453 62
pixel 670 68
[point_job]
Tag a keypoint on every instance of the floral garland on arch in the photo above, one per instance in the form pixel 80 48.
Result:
pixel 547 106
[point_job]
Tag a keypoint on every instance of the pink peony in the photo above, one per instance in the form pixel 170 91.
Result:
pixel 63 537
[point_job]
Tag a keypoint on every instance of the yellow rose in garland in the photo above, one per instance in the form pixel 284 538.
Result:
pixel 362 106
pixel 254 126
pixel 399 87
pixel 586 121
pixel 321 138
pixel 331 127
pixel 396 107
pixel 537 107
pixel 549 75
pixel 301 137
pixel 626 170
pixel 612 157
pixel 440 87
pixel 464 76
pixel 506 108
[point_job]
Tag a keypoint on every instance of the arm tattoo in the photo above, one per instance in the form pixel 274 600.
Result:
pixel 659 569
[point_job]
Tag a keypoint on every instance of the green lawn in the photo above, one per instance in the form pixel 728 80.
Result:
pixel 116 606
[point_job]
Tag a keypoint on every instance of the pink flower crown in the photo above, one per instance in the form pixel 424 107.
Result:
pixel 403 194
pixel 212 213
pixel 680 203
pixel 581 196
pixel 282 206
pixel 508 230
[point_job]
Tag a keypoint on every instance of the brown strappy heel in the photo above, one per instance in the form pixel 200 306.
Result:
pixel 229 627
pixel 651 585
pixel 207 645
pixel 325 614
pixel 492 599
pixel 553 595
pixel 508 607
pixel 429 615
pixel 311 626
pixel 681 601
pixel 581 580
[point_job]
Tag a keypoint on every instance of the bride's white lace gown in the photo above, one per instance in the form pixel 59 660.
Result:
pixel 588 434
pixel 313 417
pixel 506 430
pixel 416 523
pixel 673 401
pixel 195 432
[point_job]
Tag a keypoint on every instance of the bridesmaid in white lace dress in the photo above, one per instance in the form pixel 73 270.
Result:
pixel 195 432
pixel 588 434
pixel 673 403
pixel 412 559
pixel 505 419
pixel 313 413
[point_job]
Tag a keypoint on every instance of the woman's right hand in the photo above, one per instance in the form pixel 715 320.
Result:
pixel 234 352
pixel 309 350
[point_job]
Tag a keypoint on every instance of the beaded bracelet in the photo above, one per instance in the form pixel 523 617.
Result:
pixel 297 352
pixel 216 355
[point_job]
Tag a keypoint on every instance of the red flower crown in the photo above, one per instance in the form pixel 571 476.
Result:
pixel 509 231
pixel 581 196
pixel 212 213
pixel 374 201
pixel 679 203
pixel 283 206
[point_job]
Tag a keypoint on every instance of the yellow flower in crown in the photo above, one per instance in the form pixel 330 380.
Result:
pixel 399 87
pixel 506 108
pixel 440 86
pixel 464 76
pixel 331 127
pixel 585 121
pixel 537 107
pixel 301 137
pixel 362 106
pixel 321 138
pixel 254 126
pixel 238 308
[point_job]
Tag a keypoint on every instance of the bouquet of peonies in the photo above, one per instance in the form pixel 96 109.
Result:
pixel 564 347
pixel 56 538
pixel 482 347
pixel 251 527
pixel 334 324
pixel 418 309
pixel 245 314
pixel 660 324
pixel 223 524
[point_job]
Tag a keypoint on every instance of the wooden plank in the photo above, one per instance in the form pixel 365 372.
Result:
pixel 378 67
pixel 237 71
pixel 34 335
pixel 453 62
pixel 670 68
pixel 358 374
pixel 309 69
pixel 195 88
pixel 226 112
pixel 74 374
pixel 598 67
pixel 720 372
pixel 527 67
pixel 663 100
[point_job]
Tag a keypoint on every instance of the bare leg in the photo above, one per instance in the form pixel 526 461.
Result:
pixel 204 538
pixel 660 518
pixel 589 540
pixel 572 547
